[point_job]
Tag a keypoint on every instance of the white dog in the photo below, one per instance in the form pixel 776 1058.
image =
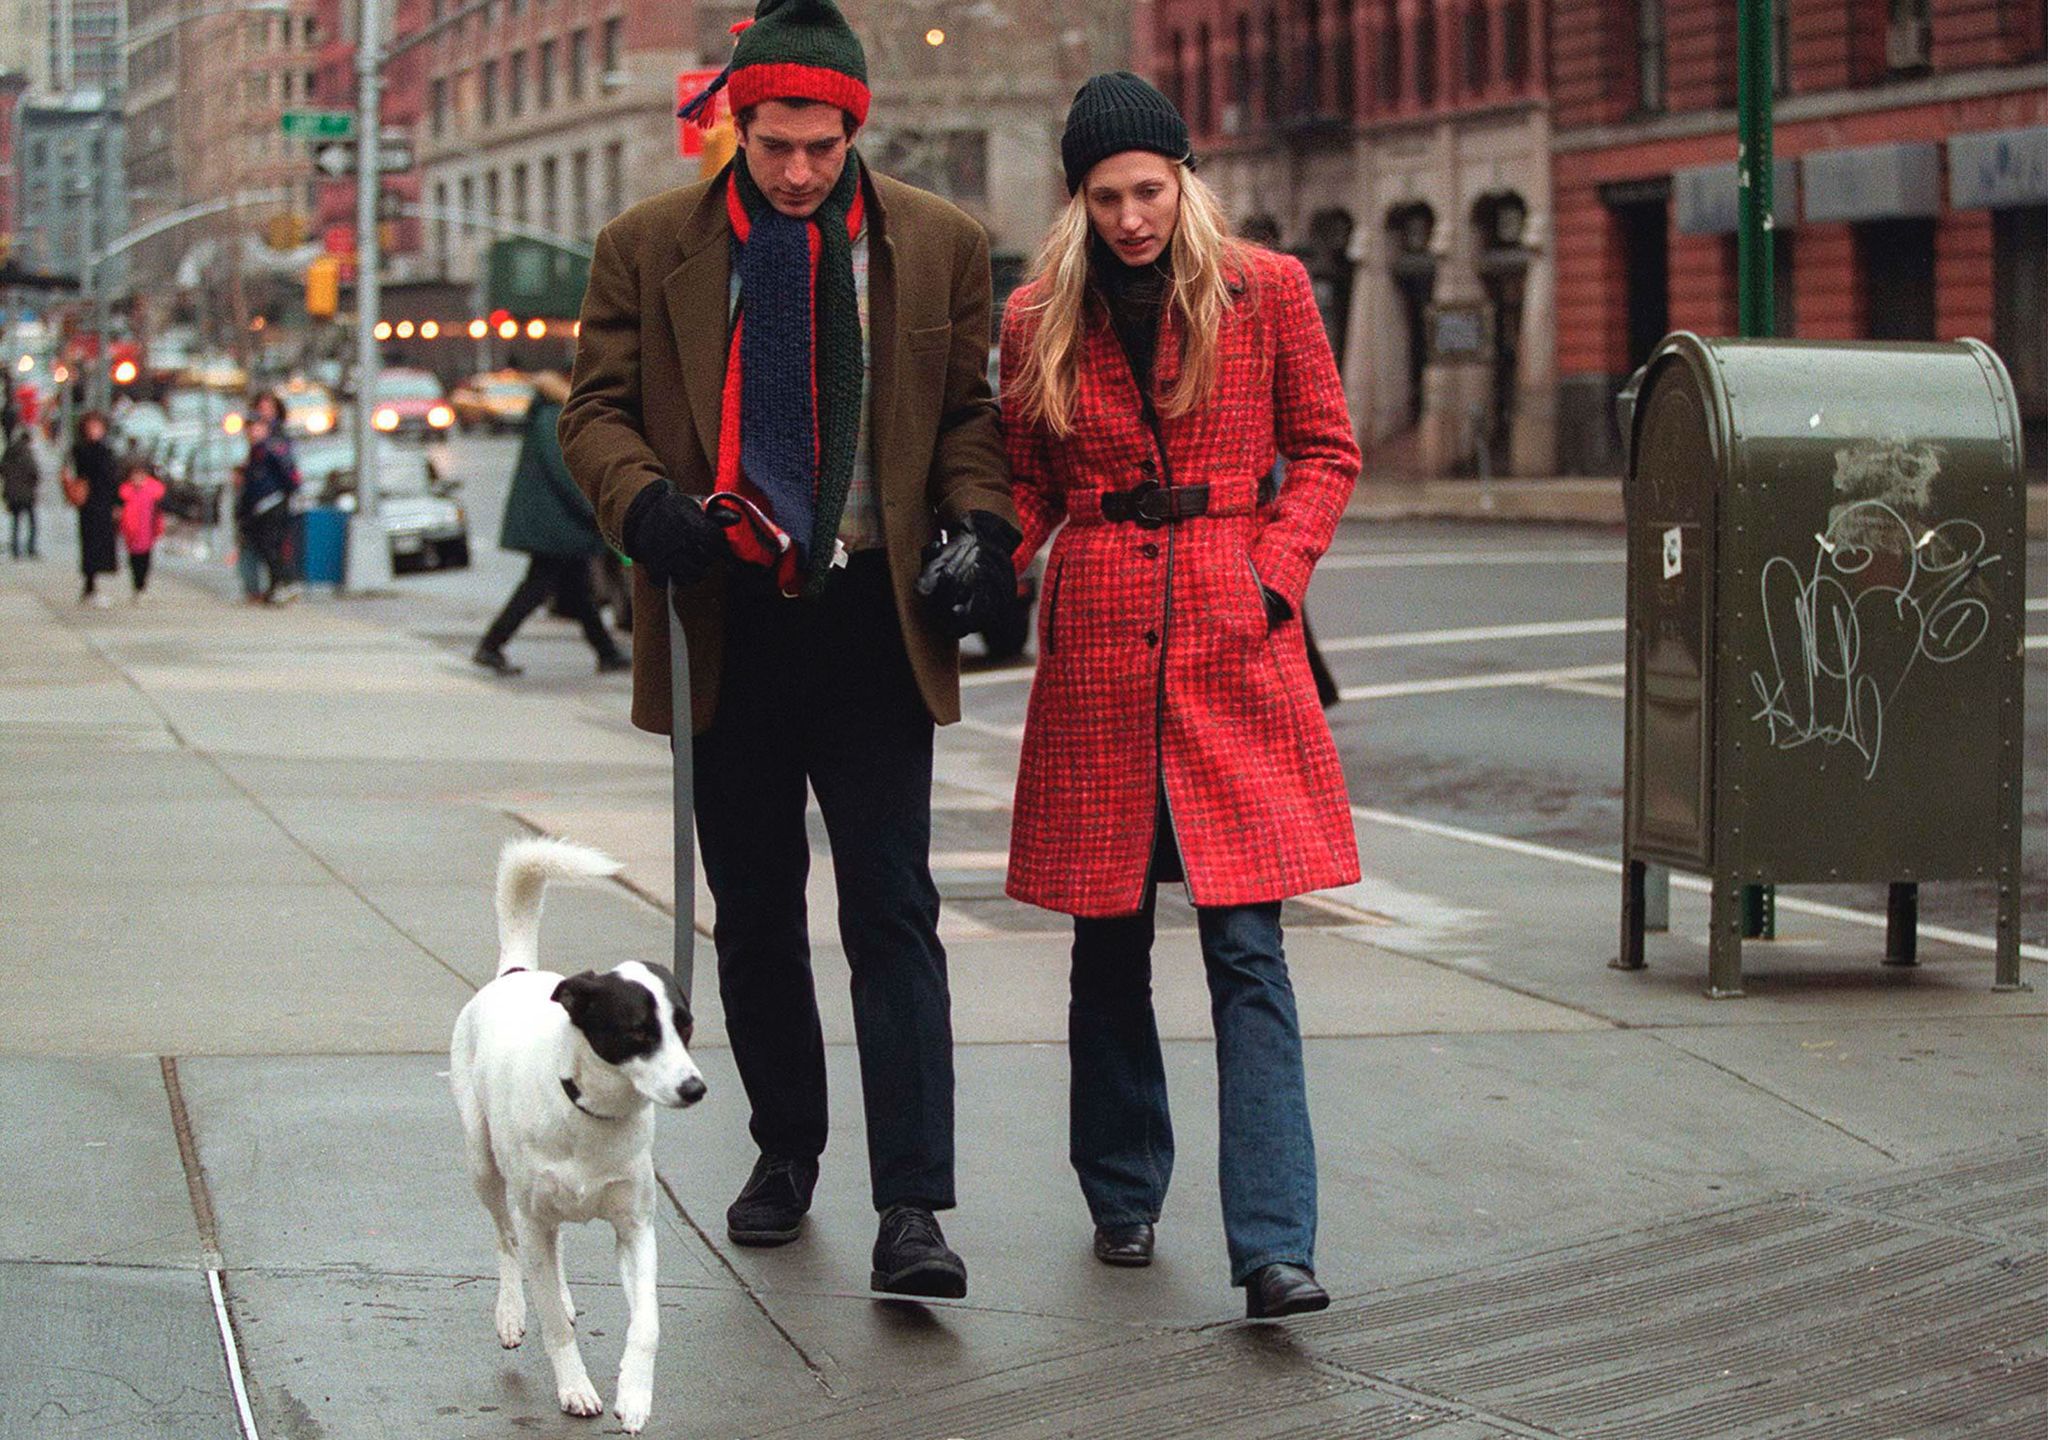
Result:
pixel 556 1080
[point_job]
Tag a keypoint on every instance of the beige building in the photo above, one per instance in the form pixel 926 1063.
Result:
pixel 25 42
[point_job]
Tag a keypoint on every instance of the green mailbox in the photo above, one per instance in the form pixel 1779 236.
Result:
pixel 1826 602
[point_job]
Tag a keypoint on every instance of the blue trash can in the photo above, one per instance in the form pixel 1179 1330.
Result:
pixel 323 543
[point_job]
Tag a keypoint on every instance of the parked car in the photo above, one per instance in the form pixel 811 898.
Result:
pixel 411 402
pixel 427 526
pixel 496 400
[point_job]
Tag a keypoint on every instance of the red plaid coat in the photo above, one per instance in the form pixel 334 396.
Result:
pixel 1156 664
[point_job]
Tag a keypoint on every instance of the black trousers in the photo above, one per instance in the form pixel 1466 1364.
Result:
pixel 19 518
pixel 565 576
pixel 138 569
pixel 820 692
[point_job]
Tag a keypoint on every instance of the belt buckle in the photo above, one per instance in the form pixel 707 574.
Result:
pixel 1151 506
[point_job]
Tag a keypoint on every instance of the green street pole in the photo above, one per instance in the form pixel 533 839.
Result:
pixel 1754 263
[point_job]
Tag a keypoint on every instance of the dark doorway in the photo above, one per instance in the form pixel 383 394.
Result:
pixel 1897 260
pixel 2020 278
pixel 1414 275
pixel 1646 252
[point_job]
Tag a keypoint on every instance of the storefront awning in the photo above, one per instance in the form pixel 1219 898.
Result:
pixel 1995 169
pixel 1873 182
pixel 1708 201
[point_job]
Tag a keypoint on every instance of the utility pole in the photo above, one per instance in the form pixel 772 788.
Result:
pixel 1755 261
pixel 369 551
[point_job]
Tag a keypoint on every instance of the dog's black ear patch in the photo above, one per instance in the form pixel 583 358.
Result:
pixel 617 1017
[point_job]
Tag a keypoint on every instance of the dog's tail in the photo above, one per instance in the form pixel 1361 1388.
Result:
pixel 524 869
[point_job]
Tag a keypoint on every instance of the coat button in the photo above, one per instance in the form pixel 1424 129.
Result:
pixel 1151 638
pixel 1149 550
pixel 1149 470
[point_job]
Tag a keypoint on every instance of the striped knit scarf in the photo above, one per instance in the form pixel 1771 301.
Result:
pixel 793 382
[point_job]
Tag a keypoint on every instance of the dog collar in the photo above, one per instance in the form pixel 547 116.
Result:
pixel 575 1094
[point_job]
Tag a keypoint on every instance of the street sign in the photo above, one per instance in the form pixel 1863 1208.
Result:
pixel 338 157
pixel 689 134
pixel 318 124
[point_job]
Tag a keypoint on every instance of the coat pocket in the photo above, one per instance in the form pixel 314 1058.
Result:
pixel 1050 641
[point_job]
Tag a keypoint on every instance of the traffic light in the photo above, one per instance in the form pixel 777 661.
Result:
pixel 323 287
pixel 285 232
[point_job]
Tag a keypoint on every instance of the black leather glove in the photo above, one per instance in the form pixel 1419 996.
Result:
pixel 671 535
pixel 968 579
pixel 1278 611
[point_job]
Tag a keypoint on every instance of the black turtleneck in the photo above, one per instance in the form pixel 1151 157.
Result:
pixel 1135 296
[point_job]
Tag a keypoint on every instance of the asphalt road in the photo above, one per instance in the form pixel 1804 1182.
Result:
pixel 1481 664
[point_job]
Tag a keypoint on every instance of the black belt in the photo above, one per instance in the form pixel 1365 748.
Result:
pixel 1150 505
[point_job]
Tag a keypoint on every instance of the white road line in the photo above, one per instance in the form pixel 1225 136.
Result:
pixel 2037 642
pixel 1420 559
pixel 2038 604
pixel 1499 680
pixel 233 1353
pixel 1694 883
pixel 1590 687
pixel 1471 635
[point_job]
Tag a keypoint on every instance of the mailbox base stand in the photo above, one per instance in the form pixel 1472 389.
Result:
pixel 2008 955
pixel 1902 925
pixel 1724 940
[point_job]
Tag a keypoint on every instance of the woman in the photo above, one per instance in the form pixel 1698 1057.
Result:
pixel 263 509
pixel 547 517
pixel 1153 371
pixel 94 463
pixel 20 478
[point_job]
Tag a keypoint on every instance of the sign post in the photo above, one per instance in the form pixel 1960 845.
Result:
pixel 1755 260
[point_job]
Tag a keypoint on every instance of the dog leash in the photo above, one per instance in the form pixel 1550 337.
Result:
pixel 681 728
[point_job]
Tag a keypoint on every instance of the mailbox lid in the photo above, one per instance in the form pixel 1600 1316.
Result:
pixel 1870 607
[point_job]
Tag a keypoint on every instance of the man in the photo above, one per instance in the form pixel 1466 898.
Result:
pixel 780 402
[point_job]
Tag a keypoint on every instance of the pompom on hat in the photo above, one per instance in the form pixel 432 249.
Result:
pixel 791 50
pixel 1115 112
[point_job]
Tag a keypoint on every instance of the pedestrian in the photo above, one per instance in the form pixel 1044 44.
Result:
pixel 142 521
pixel 20 478
pixel 93 485
pixel 840 437
pixel 263 508
pixel 548 519
pixel 1153 369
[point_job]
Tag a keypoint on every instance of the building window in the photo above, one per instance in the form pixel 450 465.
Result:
pixel 952 163
pixel 579 192
pixel 1309 94
pixel 519 192
pixel 1176 71
pixel 579 62
pixel 1205 83
pixel 1425 57
pixel 441 225
pixel 550 195
pixel 490 106
pixel 1514 41
pixel 1241 67
pixel 465 190
pixel 544 80
pixel 1650 54
pixel 437 106
pixel 1478 49
pixel 515 83
pixel 1270 79
pixel 1781 48
pixel 614 178
pixel 493 196
pixel 609 57
pixel 1390 54
pixel 1346 58
pixel 1909 39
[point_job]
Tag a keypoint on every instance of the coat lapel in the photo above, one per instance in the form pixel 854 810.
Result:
pixel 698 295
pixel 884 341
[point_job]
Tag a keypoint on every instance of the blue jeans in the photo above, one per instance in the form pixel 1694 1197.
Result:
pixel 1121 1134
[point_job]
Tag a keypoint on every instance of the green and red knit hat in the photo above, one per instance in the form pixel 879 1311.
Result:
pixel 792 50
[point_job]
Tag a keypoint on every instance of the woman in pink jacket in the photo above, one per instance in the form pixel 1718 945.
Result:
pixel 142 522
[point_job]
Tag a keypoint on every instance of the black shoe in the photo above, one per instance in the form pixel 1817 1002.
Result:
pixel 771 1209
pixel 1126 1245
pixel 493 659
pixel 613 663
pixel 911 1257
pixel 1278 1290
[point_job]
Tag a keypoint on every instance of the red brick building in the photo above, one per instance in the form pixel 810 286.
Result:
pixel 1402 148
pixel 1912 184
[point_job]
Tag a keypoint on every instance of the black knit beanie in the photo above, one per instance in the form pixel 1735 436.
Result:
pixel 1116 112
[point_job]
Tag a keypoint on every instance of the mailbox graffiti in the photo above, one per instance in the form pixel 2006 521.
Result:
pixel 1882 599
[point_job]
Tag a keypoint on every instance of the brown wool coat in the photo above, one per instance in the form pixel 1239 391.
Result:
pixel 650 369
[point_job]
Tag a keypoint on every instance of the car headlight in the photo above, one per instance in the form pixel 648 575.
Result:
pixel 440 417
pixel 231 423
pixel 319 422
pixel 385 419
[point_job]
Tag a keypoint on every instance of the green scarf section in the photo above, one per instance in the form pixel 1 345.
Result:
pixel 835 347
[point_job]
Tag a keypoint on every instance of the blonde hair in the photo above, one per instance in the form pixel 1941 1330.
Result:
pixel 1208 271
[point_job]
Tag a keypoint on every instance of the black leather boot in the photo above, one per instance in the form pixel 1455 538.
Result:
pixel 1129 1246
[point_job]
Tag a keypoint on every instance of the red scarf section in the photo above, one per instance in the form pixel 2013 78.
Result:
pixel 751 532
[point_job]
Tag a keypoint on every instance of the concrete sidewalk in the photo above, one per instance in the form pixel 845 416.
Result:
pixel 248 888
